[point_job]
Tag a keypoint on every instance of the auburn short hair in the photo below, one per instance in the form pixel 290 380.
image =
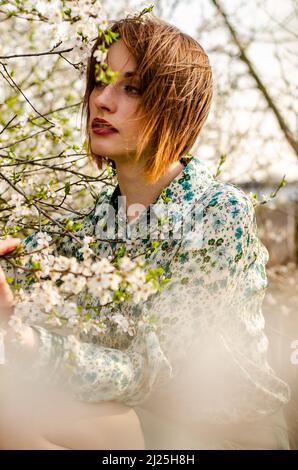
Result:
pixel 176 83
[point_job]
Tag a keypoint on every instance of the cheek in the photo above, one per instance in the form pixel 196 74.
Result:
pixel 136 121
pixel 134 130
pixel 90 104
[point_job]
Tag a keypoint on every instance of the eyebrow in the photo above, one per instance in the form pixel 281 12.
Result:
pixel 131 73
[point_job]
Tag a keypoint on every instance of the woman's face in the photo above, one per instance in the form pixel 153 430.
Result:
pixel 118 104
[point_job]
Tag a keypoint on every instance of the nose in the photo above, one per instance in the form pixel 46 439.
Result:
pixel 105 98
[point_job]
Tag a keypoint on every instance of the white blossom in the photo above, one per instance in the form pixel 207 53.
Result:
pixel 43 239
pixel 102 267
pixel 73 284
pixel 69 310
pixel 126 263
pixel 99 56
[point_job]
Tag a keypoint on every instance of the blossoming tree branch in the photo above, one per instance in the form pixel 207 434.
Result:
pixel 47 182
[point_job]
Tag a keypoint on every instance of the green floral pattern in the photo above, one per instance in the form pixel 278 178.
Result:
pixel 214 299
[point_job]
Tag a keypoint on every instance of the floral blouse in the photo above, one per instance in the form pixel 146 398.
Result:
pixel 206 328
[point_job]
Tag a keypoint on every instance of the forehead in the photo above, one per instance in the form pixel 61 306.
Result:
pixel 120 59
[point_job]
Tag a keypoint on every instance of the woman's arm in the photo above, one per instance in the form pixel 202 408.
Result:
pixel 94 372
pixel 31 340
pixel 35 416
pixel 6 295
pixel 43 416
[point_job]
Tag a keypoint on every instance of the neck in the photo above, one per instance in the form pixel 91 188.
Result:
pixel 136 191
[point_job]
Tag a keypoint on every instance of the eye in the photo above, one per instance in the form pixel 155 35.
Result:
pixel 132 89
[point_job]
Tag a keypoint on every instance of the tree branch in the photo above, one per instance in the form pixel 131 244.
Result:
pixel 262 88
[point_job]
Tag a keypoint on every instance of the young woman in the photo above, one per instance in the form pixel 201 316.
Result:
pixel 196 373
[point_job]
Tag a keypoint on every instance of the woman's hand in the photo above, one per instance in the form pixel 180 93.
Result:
pixel 29 337
pixel 6 295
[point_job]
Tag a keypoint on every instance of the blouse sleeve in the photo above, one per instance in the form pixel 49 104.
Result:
pixel 90 371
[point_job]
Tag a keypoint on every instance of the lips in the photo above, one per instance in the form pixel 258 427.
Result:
pixel 102 131
pixel 99 123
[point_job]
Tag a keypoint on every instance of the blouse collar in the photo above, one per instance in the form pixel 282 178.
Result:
pixel 184 190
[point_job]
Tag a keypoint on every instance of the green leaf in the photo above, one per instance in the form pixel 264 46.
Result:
pixel 222 159
pixel 69 225
pixel 77 226
pixel 146 10
pixel 153 319
pixel 67 189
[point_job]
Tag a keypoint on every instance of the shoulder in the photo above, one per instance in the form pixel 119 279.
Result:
pixel 224 219
pixel 228 201
pixel 198 188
